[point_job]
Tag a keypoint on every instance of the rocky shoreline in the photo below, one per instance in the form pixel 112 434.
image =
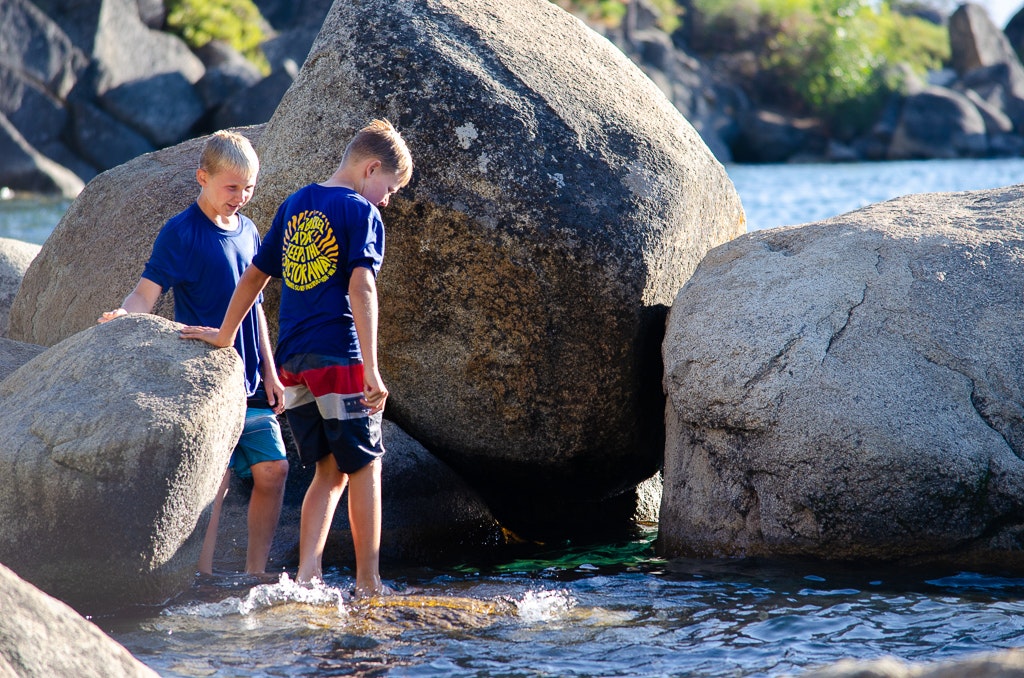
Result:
pixel 84 88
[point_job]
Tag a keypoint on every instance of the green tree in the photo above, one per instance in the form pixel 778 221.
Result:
pixel 236 22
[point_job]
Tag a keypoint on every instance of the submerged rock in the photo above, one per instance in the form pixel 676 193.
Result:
pixel 115 441
pixel 1008 664
pixel 851 389
pixel 559 202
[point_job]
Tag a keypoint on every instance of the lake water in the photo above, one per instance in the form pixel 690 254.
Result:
pixel 599 610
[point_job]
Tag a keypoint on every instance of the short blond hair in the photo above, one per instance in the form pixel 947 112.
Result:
pixel 380 140
pixel 229 150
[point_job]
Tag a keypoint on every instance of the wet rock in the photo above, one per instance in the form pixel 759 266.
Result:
pixel 115 442
pixel 559 202
pixel 849 389
pixel 108 230
pixel 33 627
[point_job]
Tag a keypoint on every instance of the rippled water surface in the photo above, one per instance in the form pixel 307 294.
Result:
pixel 615 610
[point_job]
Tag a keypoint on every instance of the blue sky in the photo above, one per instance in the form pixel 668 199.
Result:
pixel 1001 11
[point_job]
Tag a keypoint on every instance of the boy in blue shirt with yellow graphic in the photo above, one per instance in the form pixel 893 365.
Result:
pixel 327 244
pixel 201 253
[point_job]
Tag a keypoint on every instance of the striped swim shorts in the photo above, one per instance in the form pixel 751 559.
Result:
pixel 322 395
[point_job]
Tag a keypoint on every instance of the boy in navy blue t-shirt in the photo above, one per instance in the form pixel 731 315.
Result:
pixel 201 253
pixel 327 244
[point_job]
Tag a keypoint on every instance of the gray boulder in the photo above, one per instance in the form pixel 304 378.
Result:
pixel 101 139
pixel 172 107
pixel 41 637
pixel 14 354
pixel 938 123
pixel 559 202
pixel 37 49
pixel 15 258
pixel 108 231
pixel 255 104
pixel 23 168
pixel 849 389
pixel 115 442
pixel 121 47
pixel 975 41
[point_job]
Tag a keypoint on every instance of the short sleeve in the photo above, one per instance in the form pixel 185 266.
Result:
pixel 366 242
pixel 268 256
pixel 167 263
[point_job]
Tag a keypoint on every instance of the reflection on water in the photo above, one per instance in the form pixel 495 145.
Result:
pixel 621 612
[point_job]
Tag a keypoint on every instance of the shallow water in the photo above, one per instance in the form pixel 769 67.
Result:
pixel 613 610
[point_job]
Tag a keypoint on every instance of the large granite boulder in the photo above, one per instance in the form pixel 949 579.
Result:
pixel 851 389
pixel 558 204
pixel 95 255
pixel 115 441
pixel 33 46
pixel 41 637
pixel 14 354
pixel 15 258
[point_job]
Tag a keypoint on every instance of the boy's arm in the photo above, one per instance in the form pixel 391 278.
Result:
pixel 362 294
pixel 271 384
pixel 249 286
pixel 141 300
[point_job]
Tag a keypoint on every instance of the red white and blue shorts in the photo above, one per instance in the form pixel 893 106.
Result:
pixel 321 396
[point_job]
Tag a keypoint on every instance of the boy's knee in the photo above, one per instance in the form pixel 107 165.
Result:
pixel 270 474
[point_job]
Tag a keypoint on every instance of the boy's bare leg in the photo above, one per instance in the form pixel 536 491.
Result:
pixel 210 539
pixel 264 511
pixel 364 516
pixel 318 508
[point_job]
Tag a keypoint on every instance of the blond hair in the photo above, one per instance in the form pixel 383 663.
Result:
pixel 229 150
pixel 381 141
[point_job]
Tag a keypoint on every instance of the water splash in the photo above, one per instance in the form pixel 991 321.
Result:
pixel 542 606
pixel 285 592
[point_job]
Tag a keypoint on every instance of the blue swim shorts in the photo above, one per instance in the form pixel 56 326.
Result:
pixel 322 395
pixel 260 441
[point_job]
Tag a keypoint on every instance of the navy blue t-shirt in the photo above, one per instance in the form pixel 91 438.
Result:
pixel 203 264
pixel 319 236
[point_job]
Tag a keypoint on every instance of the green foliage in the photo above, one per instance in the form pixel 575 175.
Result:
pixel 837 57
pixel 236 22
pixel 612 12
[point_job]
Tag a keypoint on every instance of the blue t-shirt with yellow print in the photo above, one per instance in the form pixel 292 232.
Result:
pixel 320 234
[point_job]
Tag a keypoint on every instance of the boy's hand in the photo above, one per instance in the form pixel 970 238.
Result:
pixel 374 391
pixel 211 335
pixel 110 315
pixel 275 392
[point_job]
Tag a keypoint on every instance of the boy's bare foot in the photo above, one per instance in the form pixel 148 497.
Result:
pixel 369 592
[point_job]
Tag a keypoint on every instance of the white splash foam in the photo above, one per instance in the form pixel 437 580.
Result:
pixel 538 606
pixel 284 592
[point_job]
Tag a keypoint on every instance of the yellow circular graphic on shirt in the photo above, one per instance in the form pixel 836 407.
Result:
pixel 310 251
